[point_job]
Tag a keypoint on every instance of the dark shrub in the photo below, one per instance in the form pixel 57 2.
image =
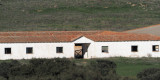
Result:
pixel 149 74
pixel 4 69
pixel 22 70
pixel 37 62
pixel 2 78
pixel 39 68
pixel 79 73
pixel 107 69
pixel 58 69
pixel 50 66
pixel 104 66
pixel 127 78
pixel 6 66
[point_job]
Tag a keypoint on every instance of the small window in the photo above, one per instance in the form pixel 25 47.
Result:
pixel 105 49
pixel 7 50
pixel 155 48
pixel 59 49
pixel 29 50
pixel 134 49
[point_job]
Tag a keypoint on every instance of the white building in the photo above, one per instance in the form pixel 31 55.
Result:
pixel 77 44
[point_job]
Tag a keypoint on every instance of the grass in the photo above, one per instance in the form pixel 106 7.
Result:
pixel 129 67
pixel 116 15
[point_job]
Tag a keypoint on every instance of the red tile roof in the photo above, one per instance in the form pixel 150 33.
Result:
pixel 70 36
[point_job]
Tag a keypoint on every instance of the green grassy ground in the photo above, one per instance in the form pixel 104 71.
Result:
pixel 117 15
pixel 129 67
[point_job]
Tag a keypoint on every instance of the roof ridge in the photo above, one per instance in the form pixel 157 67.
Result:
pixel 77 37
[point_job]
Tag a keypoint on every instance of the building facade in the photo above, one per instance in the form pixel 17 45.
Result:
pixel 28 45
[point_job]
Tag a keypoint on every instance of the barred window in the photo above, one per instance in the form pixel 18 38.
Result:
pixel 7 50
pixel 29 50
pixel 59 49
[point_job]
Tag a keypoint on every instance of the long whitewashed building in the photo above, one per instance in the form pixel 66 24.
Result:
pixel 76 44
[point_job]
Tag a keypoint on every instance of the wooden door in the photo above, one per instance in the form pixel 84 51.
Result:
pixel 78 51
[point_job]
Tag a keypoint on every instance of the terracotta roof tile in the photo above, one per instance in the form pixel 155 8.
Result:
pixel 69 36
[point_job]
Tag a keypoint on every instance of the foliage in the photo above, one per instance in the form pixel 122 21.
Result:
pixel 5 68
pixel 79 73
pixel 50 66
pixel 149 74
pixel 58 69
pixel 105 68
pixel 126 68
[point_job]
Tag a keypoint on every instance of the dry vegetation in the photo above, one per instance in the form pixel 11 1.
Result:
pixel 117 15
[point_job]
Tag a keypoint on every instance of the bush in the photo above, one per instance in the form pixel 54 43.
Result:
pixel 104 66
pixel 2 78
pixel 96 70
pixel 58 69
pixel 127 78
pixel 22 70
pixel 79 73
pixel 107 69
pixel 50 66
pixel 5 68
pixel 149 74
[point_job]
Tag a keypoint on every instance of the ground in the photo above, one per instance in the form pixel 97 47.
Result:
pixel 116 15
pixel 154 30
pixel 129 67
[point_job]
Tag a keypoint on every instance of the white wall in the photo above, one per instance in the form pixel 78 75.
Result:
pixel 48 50
pixel 40 50
pixel 123 49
